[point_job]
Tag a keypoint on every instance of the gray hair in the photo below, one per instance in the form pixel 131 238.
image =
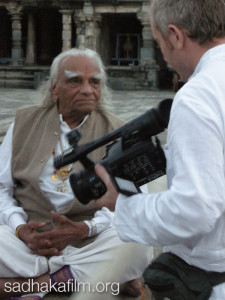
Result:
pixel 45 88
pixel 203 19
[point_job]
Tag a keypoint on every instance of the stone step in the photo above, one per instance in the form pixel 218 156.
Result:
pixel 22 76
pixel 127 83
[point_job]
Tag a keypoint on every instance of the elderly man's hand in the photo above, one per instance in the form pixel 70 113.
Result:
pixel 109 198
pixel 51 242
pixel 63 234
pixel 28 234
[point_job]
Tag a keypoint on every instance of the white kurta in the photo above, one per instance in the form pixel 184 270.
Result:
pixel 189 218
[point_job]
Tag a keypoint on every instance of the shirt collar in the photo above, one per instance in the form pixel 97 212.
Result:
pixel 63 123
pixel 208 55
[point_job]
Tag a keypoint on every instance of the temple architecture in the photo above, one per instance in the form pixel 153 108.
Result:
pixel 33 32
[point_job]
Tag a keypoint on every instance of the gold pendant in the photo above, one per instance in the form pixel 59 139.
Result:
pixel 63 172
pixel 54 177
pixel 61 187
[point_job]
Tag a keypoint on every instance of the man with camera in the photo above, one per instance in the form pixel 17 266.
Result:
pixel 47 235
pixel 189 218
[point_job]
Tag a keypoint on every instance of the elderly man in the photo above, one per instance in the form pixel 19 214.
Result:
pixel 46 234
pixel 189 218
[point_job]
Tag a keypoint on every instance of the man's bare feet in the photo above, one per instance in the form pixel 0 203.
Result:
pixel 131 288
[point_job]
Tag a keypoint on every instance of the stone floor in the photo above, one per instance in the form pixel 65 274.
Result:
pixel 127 105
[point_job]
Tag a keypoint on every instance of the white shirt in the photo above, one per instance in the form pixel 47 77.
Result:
pixel 188 218
pixel 11 214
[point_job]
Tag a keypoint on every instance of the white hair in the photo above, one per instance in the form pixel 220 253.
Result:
pixel 45 88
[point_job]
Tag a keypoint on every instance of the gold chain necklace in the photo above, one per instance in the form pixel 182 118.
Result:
pixel 61 174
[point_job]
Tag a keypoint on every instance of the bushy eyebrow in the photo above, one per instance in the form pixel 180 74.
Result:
pixel 70 74
pixel 97 76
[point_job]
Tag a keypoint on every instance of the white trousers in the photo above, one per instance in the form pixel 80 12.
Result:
pixel 115 260
pixel 106 258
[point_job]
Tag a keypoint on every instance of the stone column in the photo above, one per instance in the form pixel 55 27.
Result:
pixel 79 20
pixel 147 51
pixel 97 32
pixel 67 29
pixel 88 27
pixel 17 52
pixel 31 57
pixel 147 61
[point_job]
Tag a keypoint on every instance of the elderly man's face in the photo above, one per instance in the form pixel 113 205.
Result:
pixel 78 86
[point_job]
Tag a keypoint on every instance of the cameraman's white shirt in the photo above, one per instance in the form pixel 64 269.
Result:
pixel 11 214
pixel 188 218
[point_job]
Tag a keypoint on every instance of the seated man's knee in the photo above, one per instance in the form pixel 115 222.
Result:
pixel 141 252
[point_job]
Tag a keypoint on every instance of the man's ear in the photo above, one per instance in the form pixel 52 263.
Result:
pixel 176 36
pixel 54 92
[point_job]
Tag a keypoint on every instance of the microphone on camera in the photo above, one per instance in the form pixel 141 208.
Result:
pixel 152 122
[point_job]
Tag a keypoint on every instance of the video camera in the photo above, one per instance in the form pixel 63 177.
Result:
pixel 131 161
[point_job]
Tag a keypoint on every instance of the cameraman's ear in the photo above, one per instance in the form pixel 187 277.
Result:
pixel 176 37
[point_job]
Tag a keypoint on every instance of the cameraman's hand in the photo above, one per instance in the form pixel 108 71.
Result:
pixel 109 198
pixel 65 232
pixel 28 234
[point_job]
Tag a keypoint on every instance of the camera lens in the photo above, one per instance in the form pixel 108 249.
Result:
pixel 87 186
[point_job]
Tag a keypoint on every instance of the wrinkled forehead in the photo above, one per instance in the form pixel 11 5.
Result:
pixel 80 65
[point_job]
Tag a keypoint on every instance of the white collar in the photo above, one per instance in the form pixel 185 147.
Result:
pixel 65 124
pixel 211 53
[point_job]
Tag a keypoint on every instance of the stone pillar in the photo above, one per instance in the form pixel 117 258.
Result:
pixel 147 61
pixel 67 29
pixel 31 57
pixel 147 51
pixel 17 52
pixel 79 20
pixel 97 32
pixel 88 27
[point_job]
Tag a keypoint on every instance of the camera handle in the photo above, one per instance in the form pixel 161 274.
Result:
pixel 87 162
